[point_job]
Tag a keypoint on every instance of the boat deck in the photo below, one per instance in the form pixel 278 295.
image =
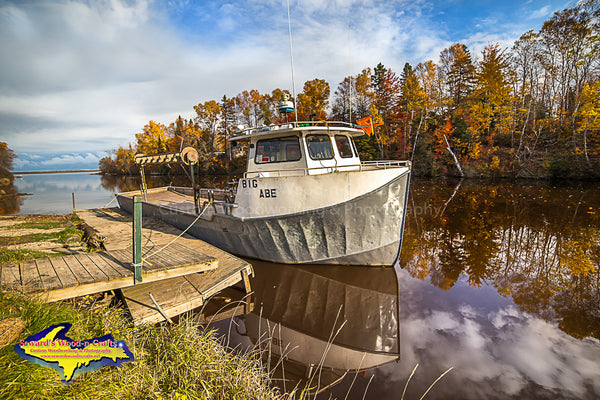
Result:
pixel 167 198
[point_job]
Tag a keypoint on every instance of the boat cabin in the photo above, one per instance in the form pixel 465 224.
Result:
pixel 305 148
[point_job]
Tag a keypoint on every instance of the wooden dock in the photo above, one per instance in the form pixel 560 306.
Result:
pixel 179 272
pixel 58 278
pixel 182 293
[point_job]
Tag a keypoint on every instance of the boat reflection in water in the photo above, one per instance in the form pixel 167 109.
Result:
pixel 324 321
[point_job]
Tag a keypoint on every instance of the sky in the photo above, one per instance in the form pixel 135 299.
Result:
pixel 80 78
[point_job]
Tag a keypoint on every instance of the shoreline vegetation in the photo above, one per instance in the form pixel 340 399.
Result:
pixel 179 361
pixel 528 111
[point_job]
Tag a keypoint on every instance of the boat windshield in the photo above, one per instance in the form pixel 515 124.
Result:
pixel 319 147
pixel 278 150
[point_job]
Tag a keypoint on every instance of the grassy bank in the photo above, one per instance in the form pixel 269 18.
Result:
pixel 25 237
pixel 181 361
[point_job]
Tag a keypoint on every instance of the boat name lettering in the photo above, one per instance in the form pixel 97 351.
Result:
pixel 249 183
pixel 268 193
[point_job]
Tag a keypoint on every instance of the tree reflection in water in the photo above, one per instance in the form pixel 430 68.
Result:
pixel 537 242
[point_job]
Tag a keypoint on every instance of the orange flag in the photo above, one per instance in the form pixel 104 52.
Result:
pixel 366 124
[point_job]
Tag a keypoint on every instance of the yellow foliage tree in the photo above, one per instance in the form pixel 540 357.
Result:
pixel 313 101
pixel 153 139
pixel 589 118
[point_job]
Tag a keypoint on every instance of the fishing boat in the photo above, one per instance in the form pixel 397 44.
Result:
pixel 305 198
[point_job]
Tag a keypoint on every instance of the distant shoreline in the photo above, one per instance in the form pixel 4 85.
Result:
pixel 54 172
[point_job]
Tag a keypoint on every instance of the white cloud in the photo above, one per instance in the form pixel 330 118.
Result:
pixel 72 159
pixel 540 13
pixel 87 75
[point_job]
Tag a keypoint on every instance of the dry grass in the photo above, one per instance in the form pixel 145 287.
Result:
pixel 180 361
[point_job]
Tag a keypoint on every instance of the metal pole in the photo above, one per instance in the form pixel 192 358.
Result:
pixel 194 187
pixel 73 196
pixel 143 188
pixel 137 239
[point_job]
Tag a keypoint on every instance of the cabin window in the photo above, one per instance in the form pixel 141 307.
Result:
pixel 343 146
pixel 319 147
pixel 278 150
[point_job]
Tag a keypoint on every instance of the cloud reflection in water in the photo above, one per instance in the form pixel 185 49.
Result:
pixel 496 350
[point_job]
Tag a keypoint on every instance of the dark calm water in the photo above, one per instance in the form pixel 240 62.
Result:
pixel 498 280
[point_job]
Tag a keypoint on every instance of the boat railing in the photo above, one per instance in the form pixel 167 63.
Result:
pixel 218 195
pixel 290 125
pixel 385 164
pixel 363 166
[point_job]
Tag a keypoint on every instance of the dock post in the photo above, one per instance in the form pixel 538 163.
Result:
pixel 137 238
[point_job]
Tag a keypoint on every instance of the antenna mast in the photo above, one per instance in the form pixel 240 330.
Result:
pixel 351 77
pixel 292 62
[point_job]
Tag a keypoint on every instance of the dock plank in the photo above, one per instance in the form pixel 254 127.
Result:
pixel 101 285
pixel 65 275
pixel 30 277
pixel 47 274
pixel 11 277
pixel 98 263
pixel 110 268
pixel 161 258
pixel 122 256
pixel 125 269
pixel 177 290
pixel 81 274
pixel 90 267
pixel 174 254
pixel 168 293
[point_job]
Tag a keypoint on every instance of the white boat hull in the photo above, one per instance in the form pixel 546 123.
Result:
pixel 365 230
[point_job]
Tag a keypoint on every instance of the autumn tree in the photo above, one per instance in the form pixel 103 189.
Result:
pixel 588 117
pixel 443 136
pixel 313 101
pixel 412 105
pixel 208 119
pixel 458 73
pixel 119 161
pixel 387 88
pixel 491 108
pixel 429 82
pixel 7 158
pixel 353 97
pixel 153 139
pixel 248 106
pixel 525 62
pixel 343 100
